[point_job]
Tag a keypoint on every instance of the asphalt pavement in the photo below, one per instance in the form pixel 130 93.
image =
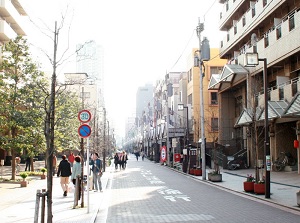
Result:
pixel 18 204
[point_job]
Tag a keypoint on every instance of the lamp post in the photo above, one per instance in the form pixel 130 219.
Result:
pixel 181 107
pixel 252 59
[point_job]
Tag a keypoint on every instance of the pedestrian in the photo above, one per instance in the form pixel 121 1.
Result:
pixel 124 160
pixel 116 161
pixel 120 160
pixel 71 159
pixel 142 155
pixel 97 172
pixel 54 163
pixel 64 171
pixel 28 162
pixel 76 171
pixel 137 154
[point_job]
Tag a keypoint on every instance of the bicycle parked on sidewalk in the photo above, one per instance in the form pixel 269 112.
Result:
pixel 284 159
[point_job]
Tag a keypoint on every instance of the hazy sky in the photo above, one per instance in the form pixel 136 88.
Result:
pixel 142 40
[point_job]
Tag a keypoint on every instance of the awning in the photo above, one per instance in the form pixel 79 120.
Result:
pixel 246 116
pixel 275 110
pixel 231 74
pixel 214 82
pixel 294 107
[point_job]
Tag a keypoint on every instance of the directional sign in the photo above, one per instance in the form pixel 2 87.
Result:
pixel 84 131
pixel 84 116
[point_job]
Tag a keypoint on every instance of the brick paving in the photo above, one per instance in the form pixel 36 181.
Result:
pixel 149 192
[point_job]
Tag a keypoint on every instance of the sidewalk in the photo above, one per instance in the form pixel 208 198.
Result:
pixel 283 186
pixel 18 204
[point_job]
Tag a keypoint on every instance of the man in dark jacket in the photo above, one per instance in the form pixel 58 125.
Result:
pixel 64 171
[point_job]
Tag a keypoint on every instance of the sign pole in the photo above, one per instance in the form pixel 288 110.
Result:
pixel 88 174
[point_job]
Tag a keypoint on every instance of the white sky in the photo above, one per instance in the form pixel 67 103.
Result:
pixel 142 40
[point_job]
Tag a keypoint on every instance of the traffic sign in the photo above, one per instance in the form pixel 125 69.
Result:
pixel 163 154
pixel 84 116
pixel 84 131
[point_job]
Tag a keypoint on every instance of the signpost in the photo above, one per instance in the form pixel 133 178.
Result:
pixel 85 131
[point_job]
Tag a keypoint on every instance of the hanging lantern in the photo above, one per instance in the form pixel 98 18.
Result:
pixel 296 144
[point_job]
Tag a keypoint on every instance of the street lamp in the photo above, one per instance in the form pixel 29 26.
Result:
pixel 252 59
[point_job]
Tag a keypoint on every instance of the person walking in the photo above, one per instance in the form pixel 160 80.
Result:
pixel 71 159
pixel 76 171
pixel 27 161
pixel 142 155
pixel 97 172
pixel 64 171
pixel 116 161
pixel 124 160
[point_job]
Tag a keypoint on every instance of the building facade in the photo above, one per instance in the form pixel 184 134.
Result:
pixel 257 31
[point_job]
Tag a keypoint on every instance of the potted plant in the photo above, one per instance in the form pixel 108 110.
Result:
pixel 249 183
pixel 43 170
pixel 24 175
pixel 215 175
pixel 298 198
pixel 259 187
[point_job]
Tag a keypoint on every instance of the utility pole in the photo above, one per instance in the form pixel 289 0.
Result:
pixel 200 28
pixel 108 142
pixel 104 141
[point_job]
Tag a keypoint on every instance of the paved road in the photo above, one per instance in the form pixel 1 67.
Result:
pixel 147 192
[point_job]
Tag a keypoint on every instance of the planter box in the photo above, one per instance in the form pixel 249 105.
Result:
pixel 249 186
pixel 192 171
pixel 209 176
pixel 298 198
pixel 259 188
pixel 43 177
pixel 216 177
pixel 197 172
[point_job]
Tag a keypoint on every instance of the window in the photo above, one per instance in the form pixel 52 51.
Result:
pixel 264 3
pixel 253 11
pixel 238 105
pixel 235 29
pixel 228 37
pixel 244 21
pixel 278 32
pixel 214 124
pixel 266 40
pixel 213 98
pixel 291 22
pixel 190 99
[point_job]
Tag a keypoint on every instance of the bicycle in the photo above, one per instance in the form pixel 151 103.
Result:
pixel 284 159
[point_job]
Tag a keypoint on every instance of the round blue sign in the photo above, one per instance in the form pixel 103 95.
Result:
pixel 84 131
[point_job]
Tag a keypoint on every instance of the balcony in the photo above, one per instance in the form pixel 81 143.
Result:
pixel 9 13
pixel 244 24
pixel 6 32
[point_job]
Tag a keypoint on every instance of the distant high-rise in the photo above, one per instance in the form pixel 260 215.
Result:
pixel 89 60
pixel 144 103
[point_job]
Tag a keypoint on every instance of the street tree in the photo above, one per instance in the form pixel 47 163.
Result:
pixel 18 77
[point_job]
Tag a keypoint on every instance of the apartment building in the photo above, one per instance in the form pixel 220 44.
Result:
pixel 258 30
pixel 11 20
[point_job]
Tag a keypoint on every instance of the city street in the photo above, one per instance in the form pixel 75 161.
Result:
pixel 148 192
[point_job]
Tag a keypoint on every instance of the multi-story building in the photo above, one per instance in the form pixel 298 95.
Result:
pixel 10 27
pixel 271 29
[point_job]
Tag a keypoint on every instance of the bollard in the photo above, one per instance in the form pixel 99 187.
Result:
pixel 39 195
pixel 77 191
pixel 37 204
pixel 43 206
